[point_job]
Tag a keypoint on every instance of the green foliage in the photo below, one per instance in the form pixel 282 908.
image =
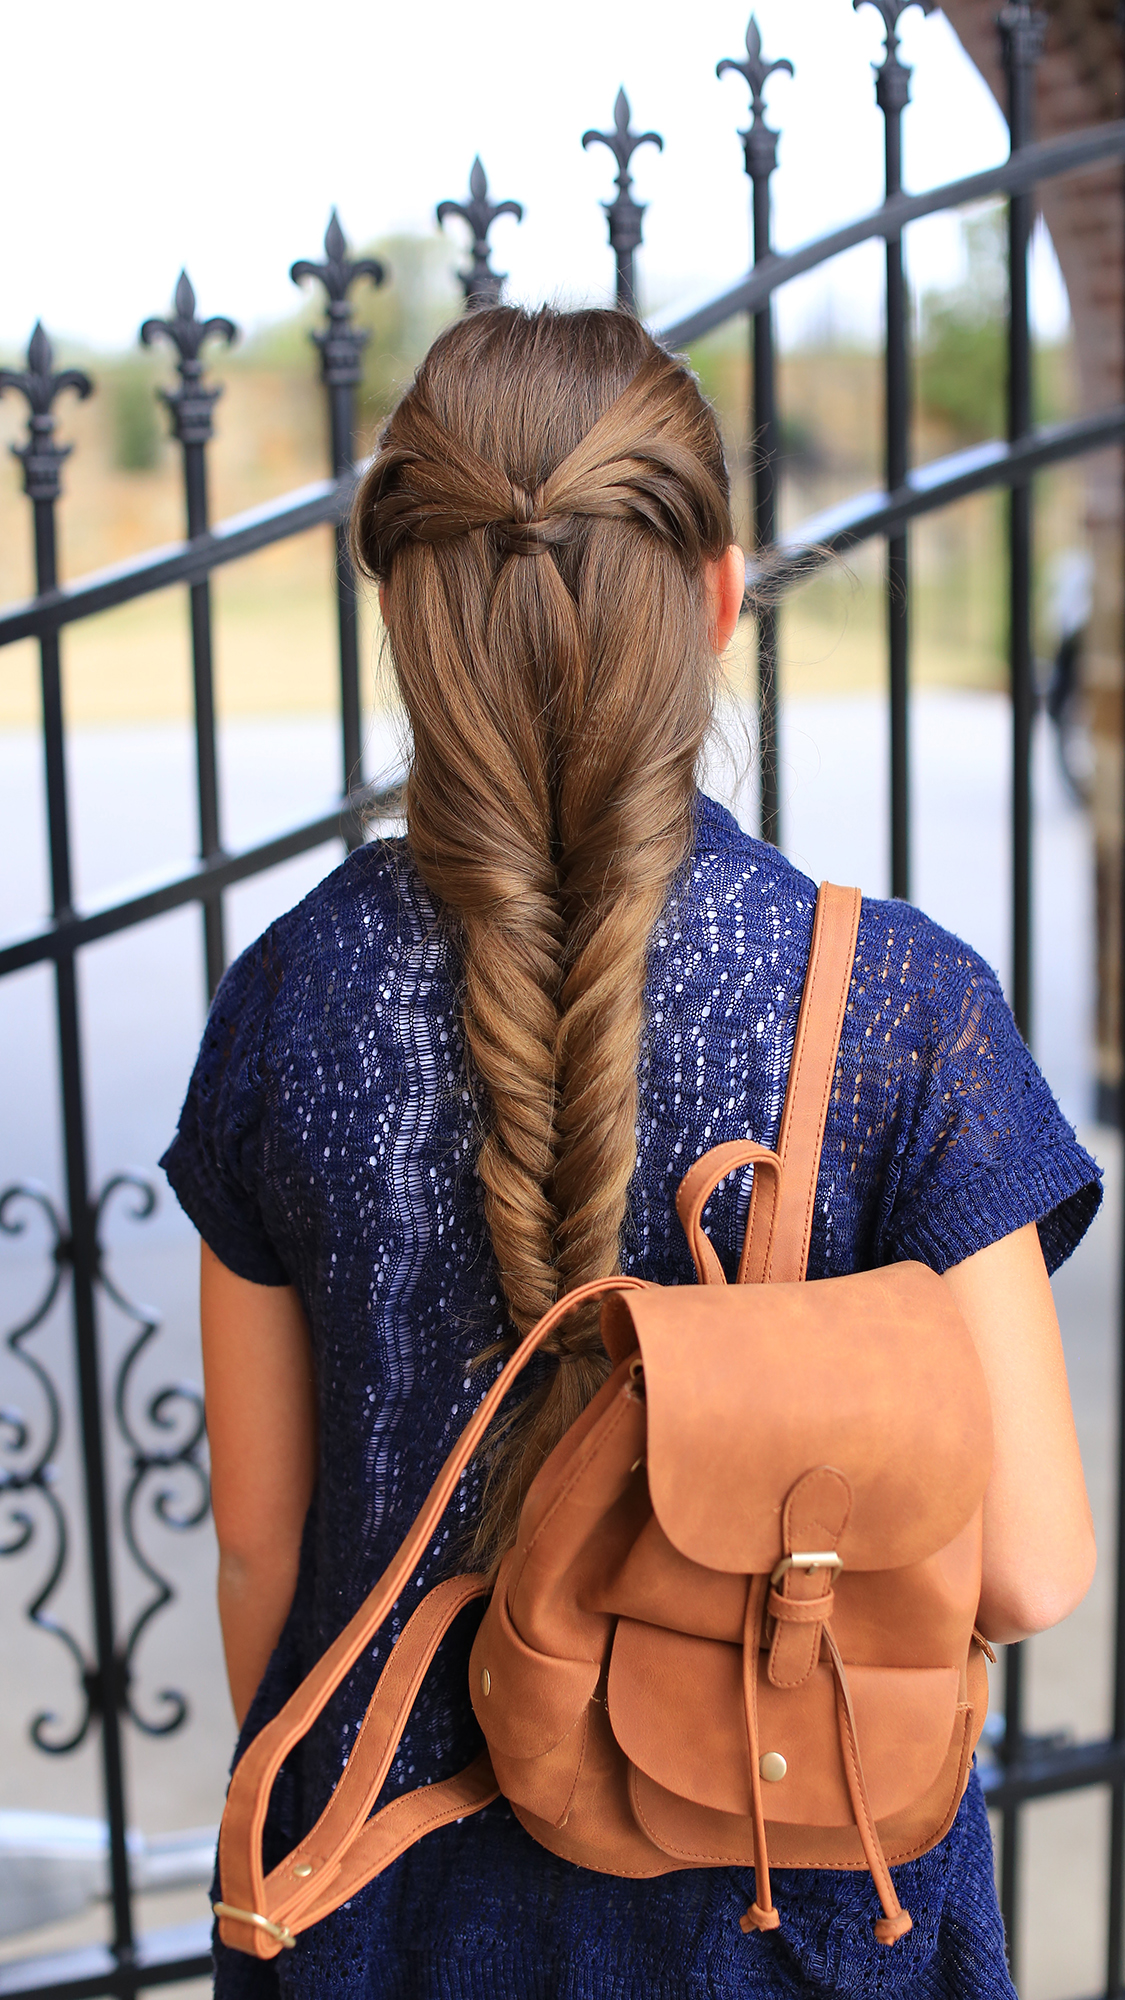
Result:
pixel 135 417
pixel 961 361
pixel 421 296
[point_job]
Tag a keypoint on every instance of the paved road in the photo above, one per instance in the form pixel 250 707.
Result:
pixel 143 1017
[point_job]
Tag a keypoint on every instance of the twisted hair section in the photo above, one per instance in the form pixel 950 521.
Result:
pixel 539 515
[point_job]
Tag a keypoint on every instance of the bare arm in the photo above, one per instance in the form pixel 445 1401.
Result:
pixel 261 1423
pixel 1039 1550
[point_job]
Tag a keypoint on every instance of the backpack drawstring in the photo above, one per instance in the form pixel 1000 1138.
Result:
pixel 761 1916
pixel 895 1922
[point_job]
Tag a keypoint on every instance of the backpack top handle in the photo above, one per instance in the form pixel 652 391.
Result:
pixel 783 1196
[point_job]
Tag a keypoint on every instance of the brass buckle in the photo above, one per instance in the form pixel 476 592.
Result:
pixel 808 1559
pixel 276 1931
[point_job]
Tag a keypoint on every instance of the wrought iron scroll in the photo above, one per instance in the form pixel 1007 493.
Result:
pixel 165 1448
pixel 341 344
pixel 166 1471
pixel 27 1475
pixel 191 408
pixel 760 151
pixel 625 215
pixel 481 285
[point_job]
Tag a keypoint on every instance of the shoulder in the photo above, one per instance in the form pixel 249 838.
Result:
pixel 360 925
pixel 741 890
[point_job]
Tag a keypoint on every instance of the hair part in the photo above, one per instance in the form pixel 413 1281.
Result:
pixel 539 513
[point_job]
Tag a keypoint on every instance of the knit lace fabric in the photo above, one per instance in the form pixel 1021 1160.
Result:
pixel 329 1141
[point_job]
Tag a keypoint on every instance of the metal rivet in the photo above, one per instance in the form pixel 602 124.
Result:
pixel 773 1767
pixel 303 1868
pixel 485 1681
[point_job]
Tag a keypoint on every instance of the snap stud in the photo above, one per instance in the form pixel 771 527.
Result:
pixel 303 1868
pixel 773 1767
pixel 485 1681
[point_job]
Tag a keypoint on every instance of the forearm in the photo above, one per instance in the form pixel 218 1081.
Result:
pixel 1038 1553
pixel 254 1597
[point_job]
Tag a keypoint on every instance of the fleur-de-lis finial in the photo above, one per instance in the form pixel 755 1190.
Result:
pixel 892 76
pixel 754 69
pixel 338 272
pixel 191 405
pixel 481 284
pixel 41 457
pixel 341 344
pixel 625 214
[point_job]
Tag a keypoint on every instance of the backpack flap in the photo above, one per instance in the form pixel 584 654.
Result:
pixel 750 1388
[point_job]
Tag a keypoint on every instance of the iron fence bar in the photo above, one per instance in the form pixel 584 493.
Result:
pixel 1051 159
pixel 42 460
pixel 892 94
pixel 191 407
pixel 624 214
pixel 945 480
pixel 1022 31
pixel 1115 1917
pixel 929 486
pixel 1073 1767
pixel 180 562
pixel 760 149
pixel 340 344
pixel 87 1972
pixel 172 892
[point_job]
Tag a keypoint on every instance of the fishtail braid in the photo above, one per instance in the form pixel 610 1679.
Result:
pixel 539 514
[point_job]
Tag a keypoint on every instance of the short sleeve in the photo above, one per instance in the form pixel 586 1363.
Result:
pixel 214 1161
pixel 986 1148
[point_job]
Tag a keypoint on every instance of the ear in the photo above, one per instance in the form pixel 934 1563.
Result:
pixel 382 601
pixel 726 588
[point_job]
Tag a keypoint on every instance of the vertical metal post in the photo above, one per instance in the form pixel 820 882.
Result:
pixel 892 94
pixel 1115 1916
pixel 1021 35
pixel 760 147
pixel 625 215
pixel 191 407
pixel 341 346
pixel 42 460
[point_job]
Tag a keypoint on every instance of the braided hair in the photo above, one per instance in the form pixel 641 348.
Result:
pixel 539 512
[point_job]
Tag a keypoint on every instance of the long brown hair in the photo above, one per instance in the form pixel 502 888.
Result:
pixel 539 512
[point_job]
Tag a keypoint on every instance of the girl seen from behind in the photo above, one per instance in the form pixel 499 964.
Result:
pixel 467 1073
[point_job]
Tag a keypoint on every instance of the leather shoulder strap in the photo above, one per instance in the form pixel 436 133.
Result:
pixel 779 1229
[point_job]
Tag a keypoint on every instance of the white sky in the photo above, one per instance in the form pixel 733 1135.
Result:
pixel 221 138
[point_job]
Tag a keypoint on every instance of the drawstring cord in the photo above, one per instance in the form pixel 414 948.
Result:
pixel 895 1922
pixel 761 1916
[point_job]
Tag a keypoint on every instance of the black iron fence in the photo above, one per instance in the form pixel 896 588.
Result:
pixel 171 1435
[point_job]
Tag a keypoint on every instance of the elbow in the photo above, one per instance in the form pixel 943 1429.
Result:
pixel 1016 1607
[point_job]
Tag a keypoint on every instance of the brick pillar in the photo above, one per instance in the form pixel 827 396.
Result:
pixel 1080 83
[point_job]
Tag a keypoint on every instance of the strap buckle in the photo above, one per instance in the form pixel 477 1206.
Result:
pixel 278 1932
pixel 808 1559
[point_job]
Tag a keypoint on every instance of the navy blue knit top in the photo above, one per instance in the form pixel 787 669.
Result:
pixel 329 1141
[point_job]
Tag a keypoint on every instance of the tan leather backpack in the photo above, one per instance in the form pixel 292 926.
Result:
pixel 737 1625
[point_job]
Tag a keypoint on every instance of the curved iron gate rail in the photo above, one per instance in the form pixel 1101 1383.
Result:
pixel 167 1436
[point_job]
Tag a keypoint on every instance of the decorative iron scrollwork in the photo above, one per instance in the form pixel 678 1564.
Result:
pixel 164 1444
pixel 41 457
pixel 482 285
pixel 192 403
pixel 27 1476
pixel 164 1447
pixel 341 344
